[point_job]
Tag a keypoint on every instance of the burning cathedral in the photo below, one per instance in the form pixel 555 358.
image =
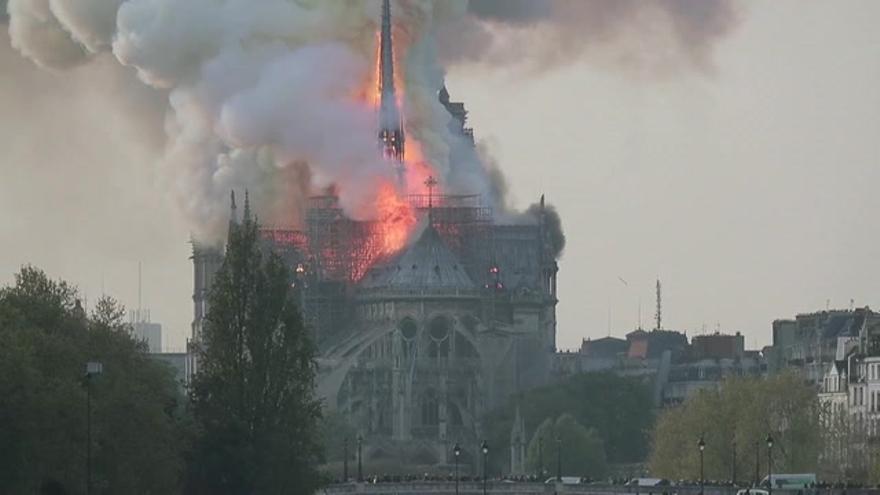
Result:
pixel 425 318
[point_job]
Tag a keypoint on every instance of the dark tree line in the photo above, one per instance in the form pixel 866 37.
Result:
pixel 139 422
pixel 249 425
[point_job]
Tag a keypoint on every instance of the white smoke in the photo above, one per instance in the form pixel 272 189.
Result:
pixel 262 94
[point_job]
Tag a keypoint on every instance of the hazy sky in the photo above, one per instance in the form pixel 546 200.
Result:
pixel 749 189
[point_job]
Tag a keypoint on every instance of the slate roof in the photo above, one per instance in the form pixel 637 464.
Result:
pixel 428 264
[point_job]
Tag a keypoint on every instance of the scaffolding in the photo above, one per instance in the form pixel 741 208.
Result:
pixel 333 252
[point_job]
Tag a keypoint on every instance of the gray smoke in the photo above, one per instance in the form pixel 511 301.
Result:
pixel 552 225
pixel 656 37
pixel 261 95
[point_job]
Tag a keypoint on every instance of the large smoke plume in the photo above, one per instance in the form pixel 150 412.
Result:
pixel 269 95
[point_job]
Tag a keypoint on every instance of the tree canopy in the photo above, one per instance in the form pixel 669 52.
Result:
pixel 578 451
pixel 253 394
pixel 619 411
pixel 46 339
pixel 740 415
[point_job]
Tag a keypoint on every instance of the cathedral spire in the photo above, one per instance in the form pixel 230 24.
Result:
pixel 391 137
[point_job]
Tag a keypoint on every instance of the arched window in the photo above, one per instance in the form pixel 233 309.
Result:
pixel 430 408
pixel 408 328
pixel 438 332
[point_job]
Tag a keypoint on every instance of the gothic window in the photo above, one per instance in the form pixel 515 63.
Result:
pixel 438 331
pixel 430 408
pixel 408 328
pixel 439 328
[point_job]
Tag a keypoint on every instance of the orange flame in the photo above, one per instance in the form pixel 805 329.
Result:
pixel 396 219
pixel 396 216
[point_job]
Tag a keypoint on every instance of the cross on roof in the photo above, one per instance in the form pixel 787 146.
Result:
pixel 431 183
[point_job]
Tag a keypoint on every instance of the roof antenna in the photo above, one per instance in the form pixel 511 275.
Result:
pixel 640 313
pixel 659 315
pixel 140 284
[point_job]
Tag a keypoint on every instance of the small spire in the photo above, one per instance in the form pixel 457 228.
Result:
pixel 247 206
pixel 233 213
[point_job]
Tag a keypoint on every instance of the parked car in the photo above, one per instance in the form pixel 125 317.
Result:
pixel 566 480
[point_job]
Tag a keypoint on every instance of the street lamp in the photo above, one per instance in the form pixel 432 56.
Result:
pixel 770 463
pixel 485 448
pixel 702 446
pixel 345 459
pixel 733 475
pixel 92 368
pixel 540 458
pixel 757 463
pixel 558 459
pixel 360 459
pixel 456 450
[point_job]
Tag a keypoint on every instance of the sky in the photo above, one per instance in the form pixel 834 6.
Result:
pixel 747 187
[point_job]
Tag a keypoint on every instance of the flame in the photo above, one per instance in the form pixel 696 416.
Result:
pixel 396 219
pixel 396 216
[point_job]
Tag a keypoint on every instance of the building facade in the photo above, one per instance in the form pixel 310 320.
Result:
pixel 849 394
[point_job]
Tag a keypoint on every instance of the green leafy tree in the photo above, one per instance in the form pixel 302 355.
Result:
pixel 619 410
pixel 137 426
pixel 580 450
pixel 253 395
pixel 739 415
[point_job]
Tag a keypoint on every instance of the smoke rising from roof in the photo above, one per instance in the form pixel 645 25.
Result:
pixel 260 93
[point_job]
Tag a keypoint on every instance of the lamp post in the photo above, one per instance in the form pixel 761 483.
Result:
pixel 456 450
pixel 757 463
pixel 92 368
pixel 540 458
pixel 345 460
pixel 485 448
pixel 702 446
pixel 558 459
pixel 770 464
pixel 733 474
pixel 360 459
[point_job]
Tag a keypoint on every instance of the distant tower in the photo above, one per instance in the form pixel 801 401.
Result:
pixel 391 137
pixel 659 315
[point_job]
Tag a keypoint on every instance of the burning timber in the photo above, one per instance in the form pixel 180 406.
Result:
pixel 426 317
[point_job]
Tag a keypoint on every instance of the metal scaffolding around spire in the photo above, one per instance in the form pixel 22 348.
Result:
pixel 391 136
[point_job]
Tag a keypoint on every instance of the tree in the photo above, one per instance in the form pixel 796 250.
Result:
pixel 45 341
pixel 619 410
pixel 253 395
pixel 848 452
pixel 739 415
pixel 582 452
